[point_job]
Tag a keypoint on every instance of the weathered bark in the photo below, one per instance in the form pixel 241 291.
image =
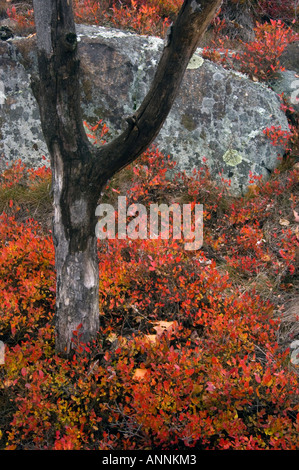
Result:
pixel 80 170
pixel 75 199
pixel 77 291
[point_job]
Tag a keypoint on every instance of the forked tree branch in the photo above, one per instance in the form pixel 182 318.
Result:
pixel 181 43
pixel 59 90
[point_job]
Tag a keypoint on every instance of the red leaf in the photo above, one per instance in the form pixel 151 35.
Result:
pixel 210 387
pixel 257 378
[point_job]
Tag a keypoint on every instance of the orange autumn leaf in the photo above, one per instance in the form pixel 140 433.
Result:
pixel 162 326
pixel 267 378
pixel 139 374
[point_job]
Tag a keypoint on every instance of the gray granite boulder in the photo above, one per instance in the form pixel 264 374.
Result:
pixel 218 114
pixel 20 129
pixel 287 82
pixel 290 57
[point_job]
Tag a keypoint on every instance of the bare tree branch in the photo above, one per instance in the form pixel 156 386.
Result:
pixel 145 124
pixel 59 91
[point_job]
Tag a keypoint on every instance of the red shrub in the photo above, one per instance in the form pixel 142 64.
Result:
pixel 259 58
pixel 145 17
pixel 184 358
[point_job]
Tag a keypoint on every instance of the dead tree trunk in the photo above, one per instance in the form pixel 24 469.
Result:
pixel 79 170
pixel 77 291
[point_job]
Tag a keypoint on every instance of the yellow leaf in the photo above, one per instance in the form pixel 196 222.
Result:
pixel 138 319
pixel 151 338
pixel 7 383
pixel 112 337
pixel 284 222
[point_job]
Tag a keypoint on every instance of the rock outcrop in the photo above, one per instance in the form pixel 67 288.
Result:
pixel 287 82
pixel 218 114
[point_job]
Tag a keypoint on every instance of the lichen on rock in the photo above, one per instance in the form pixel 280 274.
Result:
pixel 196 61
pixel 232 157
